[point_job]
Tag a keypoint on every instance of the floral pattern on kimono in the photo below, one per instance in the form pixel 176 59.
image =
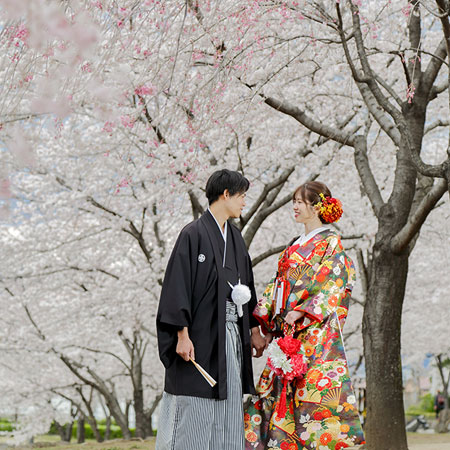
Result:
pixel 321 407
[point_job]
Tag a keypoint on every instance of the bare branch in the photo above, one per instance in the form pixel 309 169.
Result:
pixel 368 72
pixel 102 352
pixel 436 90
pixel 30 317
pixel 433 68
pixel 363 272
pixel 140 238
pixel 267 188
pixel 437 123
pixel 429 170
pixel 389 89
pixel 261 216
pixel 150 121
pixel 104 208
pixel 357 76
pixel 356 300
pixel 197 208
pixel 310 123
pixel 415 221
pixel 415 34
pixel 363 82
pixel 272 251
pixel 366 175
pixel 271 207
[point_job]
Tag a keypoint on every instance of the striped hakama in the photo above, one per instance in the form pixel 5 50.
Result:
pixel 194 423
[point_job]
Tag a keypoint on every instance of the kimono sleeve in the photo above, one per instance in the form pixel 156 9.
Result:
pixel 174 311
pixel 328 287
pixel 263 311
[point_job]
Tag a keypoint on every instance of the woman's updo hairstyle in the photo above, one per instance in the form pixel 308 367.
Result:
pixel 317 193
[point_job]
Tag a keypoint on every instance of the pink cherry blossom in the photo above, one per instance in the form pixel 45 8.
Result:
pixel 146 89
pixel 127 121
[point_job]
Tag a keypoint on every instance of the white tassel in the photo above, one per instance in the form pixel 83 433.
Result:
pixel 240 295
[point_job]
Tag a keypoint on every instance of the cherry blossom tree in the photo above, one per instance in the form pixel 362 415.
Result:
pixel 381 51
pixel 121 112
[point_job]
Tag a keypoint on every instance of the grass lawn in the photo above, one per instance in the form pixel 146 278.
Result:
pixel 415 440
pixel 48 442
pixel 424 438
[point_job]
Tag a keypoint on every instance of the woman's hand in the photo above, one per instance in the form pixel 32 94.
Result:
pixel 185 347
pixel 293 316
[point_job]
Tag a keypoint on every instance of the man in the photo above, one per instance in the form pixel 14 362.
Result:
pixel 197 321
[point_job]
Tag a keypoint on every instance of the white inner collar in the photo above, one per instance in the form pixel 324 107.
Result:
pixel 305 238
pixel 224 235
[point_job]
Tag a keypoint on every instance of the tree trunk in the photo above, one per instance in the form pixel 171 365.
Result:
pixel 108 428
pixel 138 397
pixel 149 425
pixel 138 403
pixel 121 419
pixel 93 424
pixel 443 421
pixel 64 431
pixel 381 334
pixel 69 427
pixel 149 415
pixel 80 430
pixel 444 415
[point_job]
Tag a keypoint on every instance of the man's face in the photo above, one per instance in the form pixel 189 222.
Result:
pixel 235 204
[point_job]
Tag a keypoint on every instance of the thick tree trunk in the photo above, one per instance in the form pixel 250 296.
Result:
pixel 80 430
pixel 385 425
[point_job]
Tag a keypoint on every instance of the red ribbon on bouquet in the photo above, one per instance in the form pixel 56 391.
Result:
pixel 287 363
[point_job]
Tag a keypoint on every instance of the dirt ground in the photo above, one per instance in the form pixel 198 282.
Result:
pixel 416 441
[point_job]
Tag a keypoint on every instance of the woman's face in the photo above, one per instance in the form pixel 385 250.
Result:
pixel 303 210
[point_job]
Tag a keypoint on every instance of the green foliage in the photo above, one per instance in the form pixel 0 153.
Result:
pixel 445 362
pixel 53 429
pixel 116 432
pixel 103 421
pixel 425 407
pixel 415 411
pixel 6 425
pixel 427 403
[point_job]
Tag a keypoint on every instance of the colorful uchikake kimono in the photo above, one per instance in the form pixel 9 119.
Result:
pixel 317 278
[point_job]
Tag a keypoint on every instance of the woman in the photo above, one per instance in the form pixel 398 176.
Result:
pixel 310 294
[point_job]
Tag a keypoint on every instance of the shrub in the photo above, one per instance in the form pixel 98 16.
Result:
pixel 116 432
pixel 427 403
pixel 425 407
pixel 6 426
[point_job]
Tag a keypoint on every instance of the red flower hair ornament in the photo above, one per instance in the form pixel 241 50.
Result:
pixel 330 209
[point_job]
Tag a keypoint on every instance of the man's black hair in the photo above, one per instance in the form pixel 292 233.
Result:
pixel 225 179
